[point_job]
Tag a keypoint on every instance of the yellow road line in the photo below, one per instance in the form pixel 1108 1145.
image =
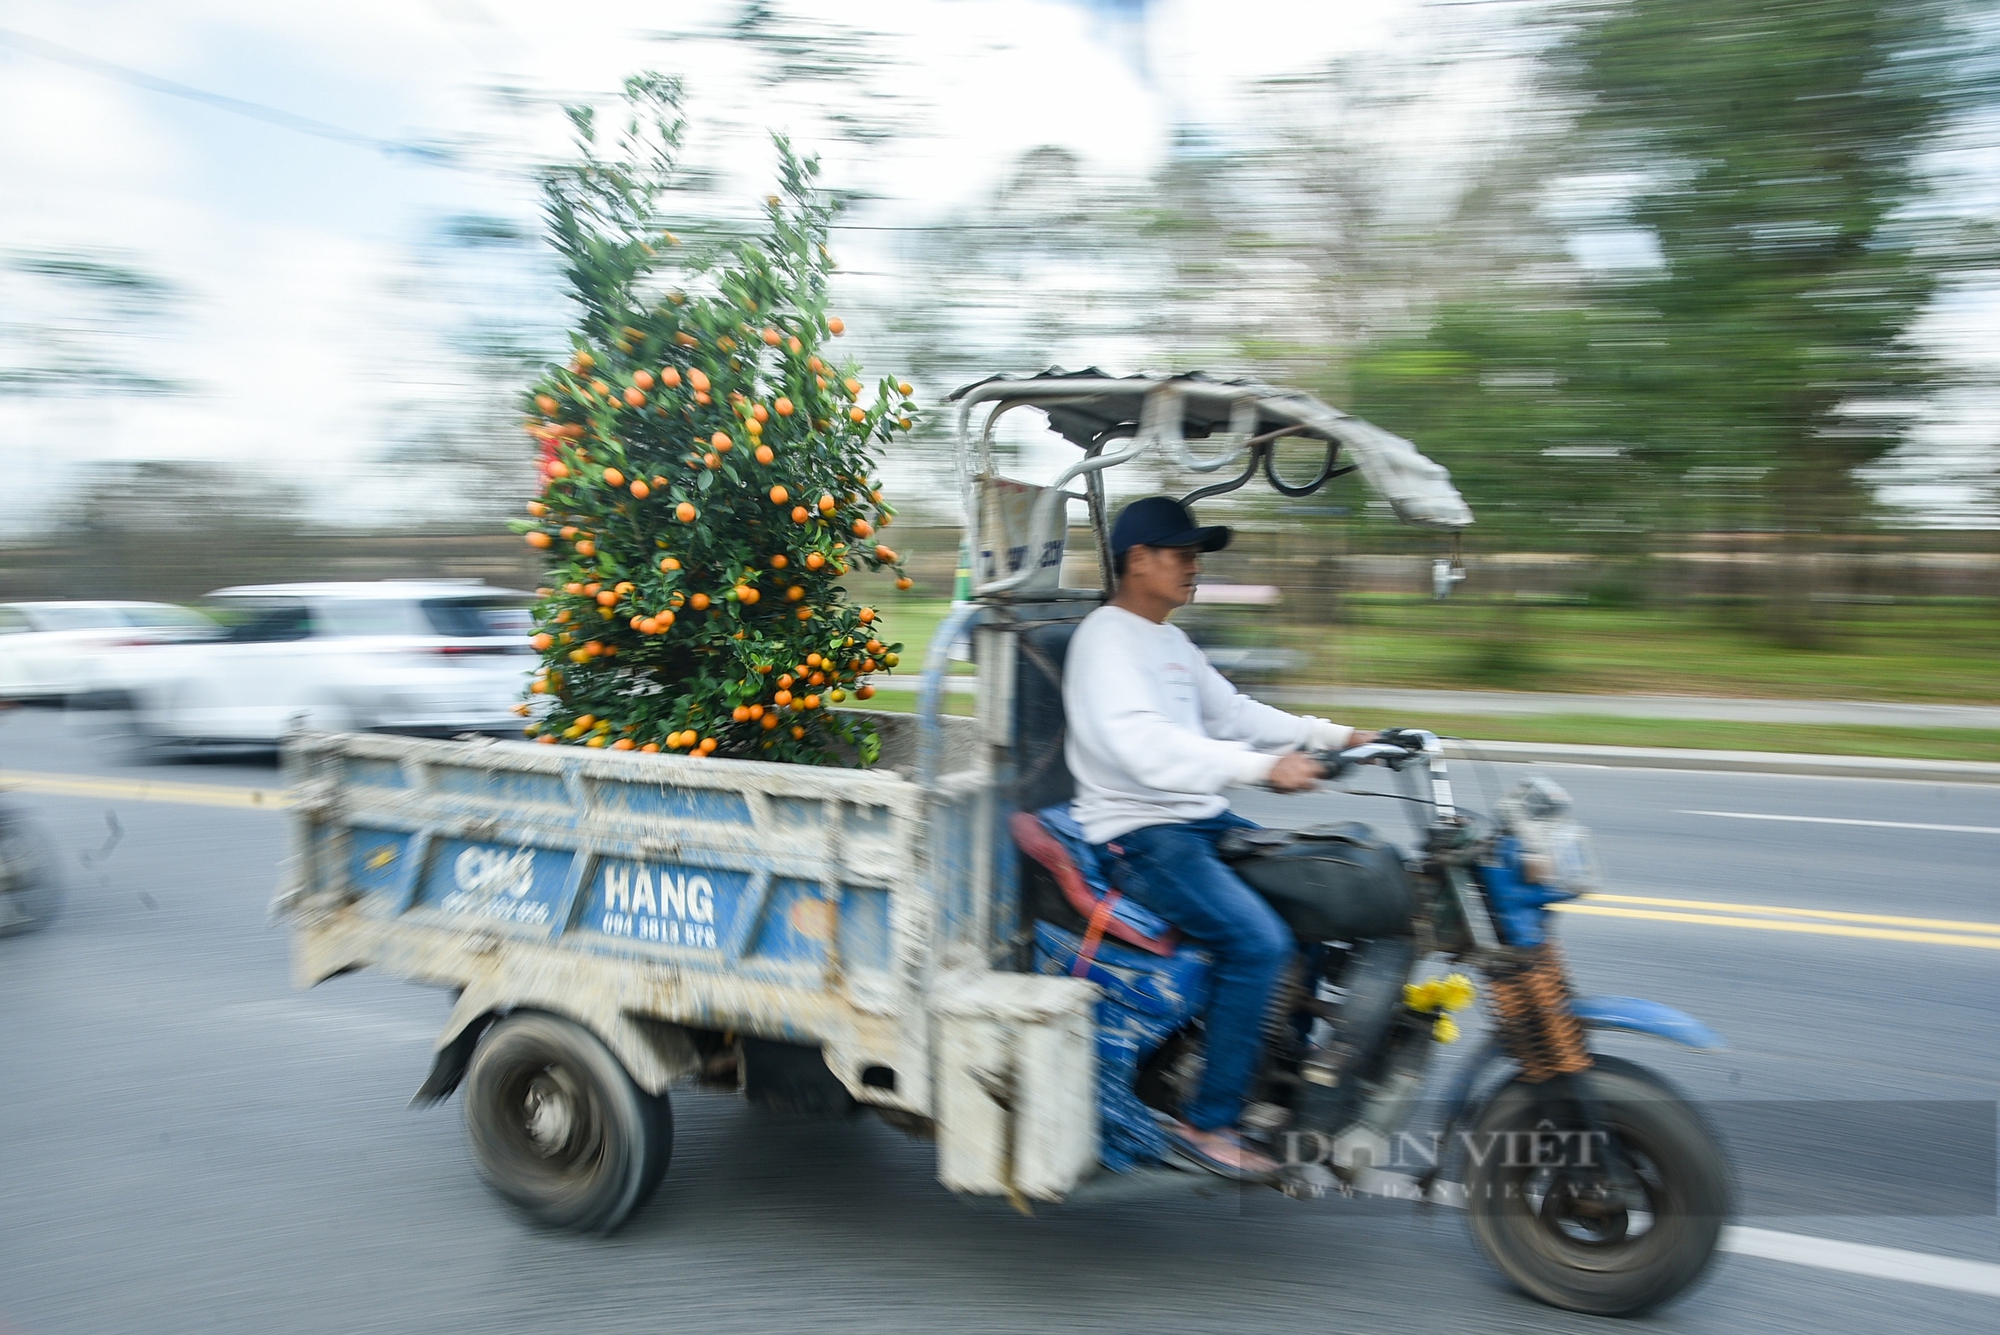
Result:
pixel 1774 910
pixel 1775 925
pixel 146 790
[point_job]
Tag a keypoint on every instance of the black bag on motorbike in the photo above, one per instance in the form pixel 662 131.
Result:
pixel 1329 883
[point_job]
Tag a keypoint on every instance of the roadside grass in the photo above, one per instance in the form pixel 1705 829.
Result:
pixel 1941 651
pixel 1936 651
pixel 913 621
pixel 1603 730
pixel 1697 735
pixel 960 703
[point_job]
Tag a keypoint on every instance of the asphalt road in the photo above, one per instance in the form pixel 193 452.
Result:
pixel 188 1145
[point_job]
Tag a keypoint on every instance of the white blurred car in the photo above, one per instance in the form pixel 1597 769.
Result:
pixel 421 656
pixel 48 648
pixel 1234 626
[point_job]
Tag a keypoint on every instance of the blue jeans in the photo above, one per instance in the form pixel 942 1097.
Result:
pixel 1174 871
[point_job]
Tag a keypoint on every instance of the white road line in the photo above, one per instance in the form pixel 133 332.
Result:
pixel 1854 1258
pixel 1842 820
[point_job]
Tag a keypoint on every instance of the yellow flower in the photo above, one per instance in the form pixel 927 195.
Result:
pixel 1453 992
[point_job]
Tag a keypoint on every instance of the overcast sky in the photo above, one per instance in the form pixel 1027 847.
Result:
pixel 298 331
pixel 304 330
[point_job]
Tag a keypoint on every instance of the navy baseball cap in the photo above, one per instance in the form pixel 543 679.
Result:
pixel 1162 521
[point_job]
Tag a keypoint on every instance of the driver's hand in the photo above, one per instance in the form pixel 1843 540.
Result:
pixel 1295 772
pixel 1359 737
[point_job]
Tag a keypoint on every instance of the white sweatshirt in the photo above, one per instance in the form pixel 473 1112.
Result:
pixel 1156 734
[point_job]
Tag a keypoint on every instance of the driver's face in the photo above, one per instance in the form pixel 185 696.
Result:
pixel 1165 573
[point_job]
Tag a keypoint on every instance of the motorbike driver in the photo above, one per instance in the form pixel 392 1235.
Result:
pixel 1155 736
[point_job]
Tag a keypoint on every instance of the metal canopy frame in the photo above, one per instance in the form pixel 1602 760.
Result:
pixel 1114 419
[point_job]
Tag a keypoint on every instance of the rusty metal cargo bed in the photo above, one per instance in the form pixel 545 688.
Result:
pixel 807 905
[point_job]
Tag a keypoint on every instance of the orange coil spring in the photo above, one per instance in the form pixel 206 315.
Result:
pixel 1531 1004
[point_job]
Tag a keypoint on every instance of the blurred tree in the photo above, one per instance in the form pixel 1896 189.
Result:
pixel 1528 404
pixel 181 524
pixel 826 78
pixel 452 432
pixel 1051 268
pixel 1326 223
pixel 448 423
pixel 1399 266
pixel 1778 160
pixel 68 321
pixel 151 497
pixel 1321 225
pixel 1048 268
pixel 846 73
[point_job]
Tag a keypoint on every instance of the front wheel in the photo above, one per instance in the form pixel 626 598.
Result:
pixel 558 1127
pixel 1608 1234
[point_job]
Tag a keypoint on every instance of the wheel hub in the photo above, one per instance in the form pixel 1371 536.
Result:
pixel 1589 1213
pixel 549 1114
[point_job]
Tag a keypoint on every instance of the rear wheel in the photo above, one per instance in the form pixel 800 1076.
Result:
pixel 1609 1235
pixel 558 1127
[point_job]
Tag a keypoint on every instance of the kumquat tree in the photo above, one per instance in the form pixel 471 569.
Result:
pixel 708 469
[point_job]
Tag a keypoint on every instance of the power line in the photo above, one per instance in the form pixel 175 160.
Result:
pixel 429 154
pixel 285 120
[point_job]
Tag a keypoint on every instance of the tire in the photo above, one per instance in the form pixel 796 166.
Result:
pixel 123 720
pixel 557 1126
pixel 1545 1232
pixel 31 896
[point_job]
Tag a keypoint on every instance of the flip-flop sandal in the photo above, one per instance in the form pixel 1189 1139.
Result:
pixel 1196 1156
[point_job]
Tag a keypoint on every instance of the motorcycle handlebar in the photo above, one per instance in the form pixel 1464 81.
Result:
pixel 1397 747
pixel 1394 747
pixel 1365 754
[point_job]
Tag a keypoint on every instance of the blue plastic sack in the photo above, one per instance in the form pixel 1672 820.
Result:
pixel 1520 906
pixel 1146 998
pixel 1069 834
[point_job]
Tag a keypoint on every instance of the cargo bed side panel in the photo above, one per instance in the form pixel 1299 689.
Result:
pixel 781 901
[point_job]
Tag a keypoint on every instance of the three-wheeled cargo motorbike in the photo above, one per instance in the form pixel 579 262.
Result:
pixel 930 938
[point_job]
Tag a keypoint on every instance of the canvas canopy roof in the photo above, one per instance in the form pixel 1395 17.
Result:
pixel 1090 407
